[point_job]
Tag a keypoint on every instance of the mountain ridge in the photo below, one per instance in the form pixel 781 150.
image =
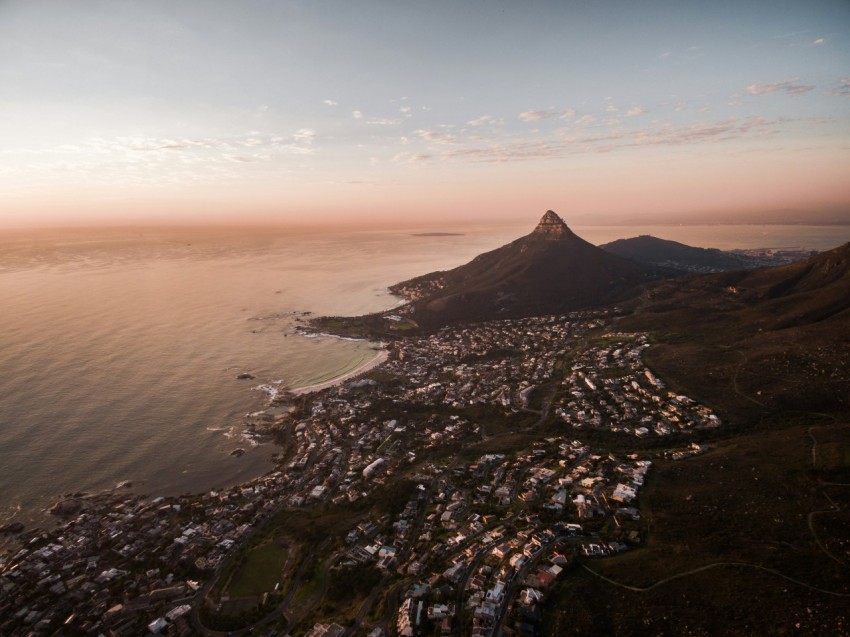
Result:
pixel 756 340
pixel 677 256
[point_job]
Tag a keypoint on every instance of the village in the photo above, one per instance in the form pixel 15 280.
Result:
pixel 472 541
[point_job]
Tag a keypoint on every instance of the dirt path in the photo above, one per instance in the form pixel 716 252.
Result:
pixel 834 507
pixel 735 380
pixel 644 589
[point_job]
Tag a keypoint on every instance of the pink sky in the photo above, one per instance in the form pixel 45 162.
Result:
pixel 299 113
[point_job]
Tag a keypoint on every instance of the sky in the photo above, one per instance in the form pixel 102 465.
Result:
pixel 213 111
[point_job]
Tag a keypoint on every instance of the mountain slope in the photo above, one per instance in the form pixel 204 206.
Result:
pixel 677 256
pixel 757 341
pixel 549 270
pixel 769 350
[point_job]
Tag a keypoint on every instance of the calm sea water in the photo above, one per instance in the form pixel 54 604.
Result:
pixel 119 350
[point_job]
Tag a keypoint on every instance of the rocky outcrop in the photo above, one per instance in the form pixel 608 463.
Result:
pixel 66 508
pixel 551 226
pixel 11 528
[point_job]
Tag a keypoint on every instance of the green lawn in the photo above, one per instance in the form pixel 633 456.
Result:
pixel 260 571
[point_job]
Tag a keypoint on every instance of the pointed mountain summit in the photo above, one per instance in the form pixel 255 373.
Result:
pixel 550 270
pixel 552 226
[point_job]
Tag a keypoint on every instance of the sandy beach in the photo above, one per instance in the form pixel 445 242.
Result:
pixel 309 389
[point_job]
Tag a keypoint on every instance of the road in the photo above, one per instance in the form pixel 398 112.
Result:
pixel 515 581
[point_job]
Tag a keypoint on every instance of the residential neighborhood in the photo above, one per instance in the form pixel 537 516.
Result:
pixel 449 540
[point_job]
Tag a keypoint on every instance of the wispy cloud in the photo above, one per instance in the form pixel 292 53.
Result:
pixel 330 102
pixel 536 116
pixel 240 159
pixel 514 151
pixel 149 144
pixel 702 131
pixel 819 42
pixel 357 114
pixel 305 135
pixel 843 88
pixel 484 120
pixel 145 159
pixel 580 141
pixel 437 137
pixel 634 111
pixel 412 158
pixel 550 113
pixel 383 121
pixel 791 87
pixel 207 148
pixel 161 162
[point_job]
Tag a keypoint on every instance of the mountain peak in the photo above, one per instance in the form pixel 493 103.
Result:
pixel 549 271
pixel 552 226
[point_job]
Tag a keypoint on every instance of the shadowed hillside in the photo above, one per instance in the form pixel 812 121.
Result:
pixel 677 256
pixel 757 341
pixel 750 537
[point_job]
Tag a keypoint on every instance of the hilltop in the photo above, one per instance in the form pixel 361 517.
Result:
pixel 677 256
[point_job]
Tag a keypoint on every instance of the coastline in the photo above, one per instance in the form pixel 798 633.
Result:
pixel 369 365
pixel 41 518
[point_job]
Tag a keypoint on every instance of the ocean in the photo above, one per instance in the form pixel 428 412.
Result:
pixel 120 349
